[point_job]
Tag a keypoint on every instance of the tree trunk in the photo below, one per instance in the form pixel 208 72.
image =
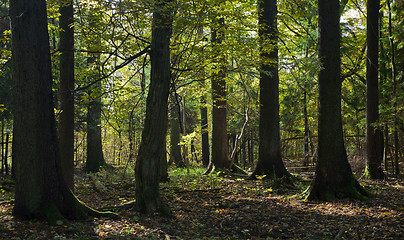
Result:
pixel 220 154
pixel 66 119
pixel 41 191
pixel 205 134
pixel 333 177
pixel 95 156
pixel 269 158
pixel 152 147
pixel 393 76
pixel 374 136
pixel 2 147
pixel 164 165
pixel 6 153
pixel 175 133
pixel 306 130
pixel 386 148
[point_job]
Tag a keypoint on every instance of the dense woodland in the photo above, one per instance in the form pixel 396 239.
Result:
pixel 201 119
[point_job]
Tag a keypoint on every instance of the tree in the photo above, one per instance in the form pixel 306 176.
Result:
pixel 333 177
pixel 220 149
pixel 66 119
pixel 41 191
pixel 269 159
pixel 374 135
pixel 95 156
pixel 175 133
pixel 152 147
pixel 205 133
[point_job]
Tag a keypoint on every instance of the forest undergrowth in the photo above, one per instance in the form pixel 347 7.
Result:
pixel 219 207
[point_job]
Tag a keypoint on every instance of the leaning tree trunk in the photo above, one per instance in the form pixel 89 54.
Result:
pixel 152 147
pixel 374 135
pixel 333 177
pixel 41 191
pixel 270 161
pixel 66 119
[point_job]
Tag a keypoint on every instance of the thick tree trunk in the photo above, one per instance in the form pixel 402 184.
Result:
pixel 175 133
pixel 41 191
pixel 269 159
pixel 333 177
pixel 220 150
pixel 66 119
pixel 152 147
pixel 374 135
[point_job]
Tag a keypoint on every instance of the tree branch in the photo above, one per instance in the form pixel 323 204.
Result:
pixel 126 62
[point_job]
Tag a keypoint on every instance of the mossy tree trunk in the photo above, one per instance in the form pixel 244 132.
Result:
pixel 152 147
pixel 270 161
pixel 41 191
pixel 333 177
pixel 66 119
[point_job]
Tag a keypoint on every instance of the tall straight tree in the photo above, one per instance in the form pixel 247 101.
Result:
pixel 95 156
pixel 269 159
pixel 333 177
pixel 152 147
pixel 220 150
pixel 41 191
pixel 66 119
pixel 374 135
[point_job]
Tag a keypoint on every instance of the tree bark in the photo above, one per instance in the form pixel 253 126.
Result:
pixel 374 135
pixel 220 150
pixel 175 133
pixel 41 191
pixel 66 119
pixel 270 161
pixel 333 177
pixel 95 156
pixel 394 76
pixel 152 147
pixel 205 134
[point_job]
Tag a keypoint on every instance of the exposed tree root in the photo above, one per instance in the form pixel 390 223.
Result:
pixel 72 209
pixel 235 170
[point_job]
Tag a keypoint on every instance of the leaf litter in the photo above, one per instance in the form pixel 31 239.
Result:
pixel 221 207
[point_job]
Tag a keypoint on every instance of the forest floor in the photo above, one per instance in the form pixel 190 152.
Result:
pixel 220 207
